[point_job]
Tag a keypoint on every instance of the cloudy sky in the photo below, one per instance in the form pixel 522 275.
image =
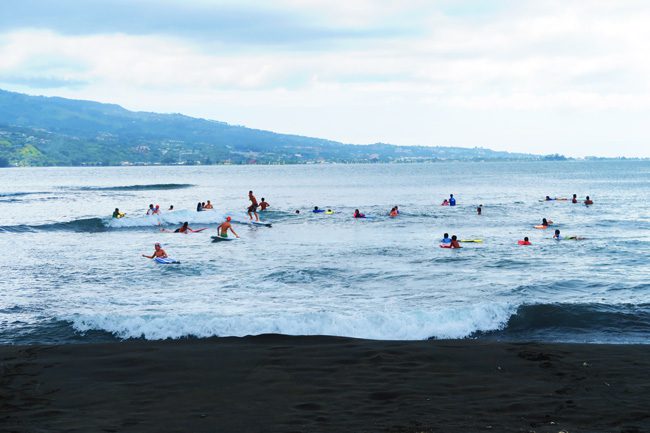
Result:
pixel 571 77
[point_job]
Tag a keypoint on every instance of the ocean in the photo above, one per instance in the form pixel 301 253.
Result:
pixel 69 273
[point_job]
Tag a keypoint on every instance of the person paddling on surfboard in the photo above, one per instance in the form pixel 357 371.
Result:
pixel 454 242
pixel 158 252
pixel 445 239
pixel 252 209
pixel 224 227
pixel 358 214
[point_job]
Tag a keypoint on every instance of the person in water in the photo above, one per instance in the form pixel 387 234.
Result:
pixel 524 242
pixel 171 208
pixel 156 210
pixel 452 200
pixel 574 199
pixel 479 209
pixel 297 211
pixel 150 210
pixel 329 212
pixel 546 222
pixel 397 210
pixel 548 198
pixel 557 236
pixel 199 207
pixel 118 214
pixel 252 209
pixel 445 202
pixel 158 252
pixel 208 205
pixel 317 210
pixel 185 228
pixel 224 227
pixel 264 204
pixel 454 242
pixel 445 239
pixel 358 214
pixel 393 213
pixel 588 201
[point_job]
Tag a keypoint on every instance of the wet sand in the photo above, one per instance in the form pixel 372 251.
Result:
pixel 277 383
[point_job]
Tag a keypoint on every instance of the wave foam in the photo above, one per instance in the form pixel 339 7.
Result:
pixel 456 322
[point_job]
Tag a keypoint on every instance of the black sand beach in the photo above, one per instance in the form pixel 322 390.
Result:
pixel 277 383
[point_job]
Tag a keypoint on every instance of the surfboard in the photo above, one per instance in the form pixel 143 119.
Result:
pixel 167 261
pixel 220 239
pixel 476 241
pixel 260 223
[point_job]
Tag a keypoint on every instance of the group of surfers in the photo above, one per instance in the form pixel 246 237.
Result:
pixel 587 201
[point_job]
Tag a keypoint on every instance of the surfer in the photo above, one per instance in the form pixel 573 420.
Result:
pixel 393 213
pixel 574 199
pixel 329 212
pixel 158 252
pixel 524 242
pixel 171 208
pixel 445 239
pixel 358 214
pixel 397 210
pixel 588 201
pixel 224 227
pixel 317 210
pixel 479 209
pixel 452 200
pixel 264 204
pixel 546 222
pixel 252 209
pixel 208 205
pixel 454 242
pixel 150 210
pixel 118 214
pixel 185 228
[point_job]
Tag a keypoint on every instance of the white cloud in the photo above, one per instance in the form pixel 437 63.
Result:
pixel 584 59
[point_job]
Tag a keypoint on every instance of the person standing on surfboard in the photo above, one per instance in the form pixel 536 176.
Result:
pixel 224 227
pixel 158 252
pixel 252 209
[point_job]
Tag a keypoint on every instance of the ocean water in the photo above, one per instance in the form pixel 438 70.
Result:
pixel 69 273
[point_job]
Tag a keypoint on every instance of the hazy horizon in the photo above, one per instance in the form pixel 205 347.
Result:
pixel 558 77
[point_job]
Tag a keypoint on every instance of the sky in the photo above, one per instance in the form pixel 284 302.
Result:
pixel 569 77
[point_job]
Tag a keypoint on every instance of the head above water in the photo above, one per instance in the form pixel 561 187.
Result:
pixel 156 245
pixel 151 206
pixel 453 238
pixel 262 198
pixel 526 238
pixel 315 207
pixel 228 219
pixel 557 232
pixel 185 224
pixel 250 192
pixel 446 235
pixel 297 211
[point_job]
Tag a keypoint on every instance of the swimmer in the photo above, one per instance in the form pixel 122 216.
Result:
pixel 557 236
pixel 546 222
pixel 199 207
pixel 358 214
pixel 454 242
pixel 158 252
pixel 263 205
pixel 452 200
pixel 329 212
pixel 150 210
pixel 184 229
pixel 445 239
pixel 549 198
pixel 118 214
pixel 445 202
pixel 397 210
pixel 524 242
pixel 588 201
pixel 297 212
pixel 479 209
pixel 393 213
pixel 224 227
pixel 317 210
pixel 252 209
pixel 156 210
pixel 574 199
pixel 208 205
pixel 171 208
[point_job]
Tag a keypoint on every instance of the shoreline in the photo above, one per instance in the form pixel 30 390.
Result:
pixel 277 383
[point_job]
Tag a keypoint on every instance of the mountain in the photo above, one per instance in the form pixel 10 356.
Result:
pixel 39 131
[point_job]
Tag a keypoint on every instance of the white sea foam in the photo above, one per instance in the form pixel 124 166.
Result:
pixel 175 217
pixel 456 322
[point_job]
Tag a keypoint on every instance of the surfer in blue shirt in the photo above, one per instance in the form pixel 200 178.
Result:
pixel 316 210
pixel 452 200
pixel 445 239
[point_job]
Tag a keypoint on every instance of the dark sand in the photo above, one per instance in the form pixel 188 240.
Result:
pixel 323 384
